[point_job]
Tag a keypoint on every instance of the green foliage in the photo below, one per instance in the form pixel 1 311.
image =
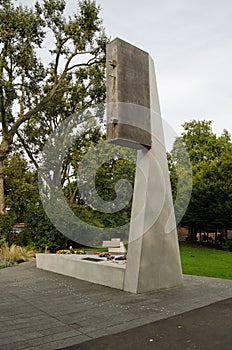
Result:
pixel 211 158
pixel 23 199
pixel 46 93
pixel 41 233
pixel 6 264
pixel 106 178
pixel 212 192
pixel 6 223
pixel 122 166
pixel 38 234
pixel 172 174
pixel 21 32
pixel 36 96
pixel 180 171
pixel 20 185
pixel 25 204
pixel 75 76
pixel 199 140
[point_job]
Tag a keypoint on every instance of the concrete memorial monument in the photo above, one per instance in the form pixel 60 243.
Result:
pixel 153 260
pixel 134 120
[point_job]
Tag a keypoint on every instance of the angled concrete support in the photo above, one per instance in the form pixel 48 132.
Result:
pixel 153 260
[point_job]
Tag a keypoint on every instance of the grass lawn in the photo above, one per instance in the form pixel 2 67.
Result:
pixel 201 261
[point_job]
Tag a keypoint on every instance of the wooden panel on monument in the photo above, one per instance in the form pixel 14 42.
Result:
pixel 128 95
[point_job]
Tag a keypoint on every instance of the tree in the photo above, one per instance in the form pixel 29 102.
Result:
pixel 201 143
pixel 24 205
pixel 28 85
pixel 211 202
pixel 104 168
pixel 210 206
pixel 20 185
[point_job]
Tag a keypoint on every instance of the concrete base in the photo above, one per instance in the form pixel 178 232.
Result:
pixel 104 272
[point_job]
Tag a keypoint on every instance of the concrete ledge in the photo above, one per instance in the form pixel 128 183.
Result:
pixel 103 272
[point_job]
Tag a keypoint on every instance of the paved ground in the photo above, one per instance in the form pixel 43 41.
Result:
pixel 42 310
pixel 206 328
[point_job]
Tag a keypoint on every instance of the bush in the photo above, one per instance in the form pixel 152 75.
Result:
pixel 6 232
pixel 38 234
pixel 227 245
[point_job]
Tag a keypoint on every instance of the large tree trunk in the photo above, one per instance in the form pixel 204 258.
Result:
pixel 2 194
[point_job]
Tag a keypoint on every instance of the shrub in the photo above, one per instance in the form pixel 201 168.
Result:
pixel 15 253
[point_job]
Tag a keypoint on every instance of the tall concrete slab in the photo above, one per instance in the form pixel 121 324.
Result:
pixel 126 125
pixel 153 260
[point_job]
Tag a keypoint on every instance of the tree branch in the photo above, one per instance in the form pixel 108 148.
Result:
pixel 66 68
pixel 73 197
pixel 3 113
pixel 29 153
pixel 87 64
pixel 31 112
pixel 2 103
pixel 58 57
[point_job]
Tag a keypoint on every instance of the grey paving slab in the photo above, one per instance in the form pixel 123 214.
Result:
pixel 42 310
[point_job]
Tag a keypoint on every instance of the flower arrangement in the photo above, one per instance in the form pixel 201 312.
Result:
pixel 106 255
pixel 110 257
pixel 70 251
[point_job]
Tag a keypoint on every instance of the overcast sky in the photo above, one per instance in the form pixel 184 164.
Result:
pixel 191 44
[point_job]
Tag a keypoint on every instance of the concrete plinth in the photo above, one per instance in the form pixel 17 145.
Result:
pixel 104 272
